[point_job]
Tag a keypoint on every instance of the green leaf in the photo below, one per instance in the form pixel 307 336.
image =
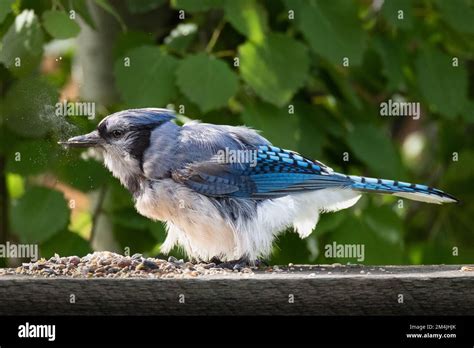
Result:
pixel 277 125
pixel 82 221
pixel 181 37
pixel 374 148
pixel 385 222
pixel 289 248
pixel 158 230
pixel 460 172
pixel 31 157
pixel 39 214
pixel 85 175
pixel 393 58
pixel 345 87
pixel 138 240
pixel 330 221
pixel 274 74
pixel 442 253
pixel 112 11
pixel 398 13
pixel 80 6
pixel 332 28
pixel 150 78
pixel 206 81
pixel 22 45
pixel 5 9
pixel 15 185
pixel 129 40
pixel 468 112
pixel 65 243
pixel 117 197
pixel 29 108
pixel 443 86
pixel 459 14
pixel 7 137
pixel 59 25
pixel 196 6
pixel 354 231
pixel 129 218
pixel 311 123
pixel 142 6
pixel 248 17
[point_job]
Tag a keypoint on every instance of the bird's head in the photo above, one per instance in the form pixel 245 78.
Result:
pixel 123 138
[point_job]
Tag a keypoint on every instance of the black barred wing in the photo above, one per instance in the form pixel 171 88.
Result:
pixel 269 173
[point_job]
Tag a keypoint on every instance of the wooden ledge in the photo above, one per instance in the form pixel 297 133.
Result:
pixel 298 290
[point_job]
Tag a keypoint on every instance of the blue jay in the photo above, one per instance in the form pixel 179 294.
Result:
pixel 226 192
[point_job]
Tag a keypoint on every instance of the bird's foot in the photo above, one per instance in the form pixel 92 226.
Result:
pixel 235 265
pixel 238 264
pixel 261 263
pixel 215 260
pixel 232 265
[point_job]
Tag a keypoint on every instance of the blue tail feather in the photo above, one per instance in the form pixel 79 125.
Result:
pixel 402 189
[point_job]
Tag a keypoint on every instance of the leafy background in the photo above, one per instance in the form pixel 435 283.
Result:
pixel 290 82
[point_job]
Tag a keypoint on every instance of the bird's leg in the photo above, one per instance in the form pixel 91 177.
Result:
pixel 194 261
pixel 261 263
pixel 238 264
pixel 215 260
pixel 235 264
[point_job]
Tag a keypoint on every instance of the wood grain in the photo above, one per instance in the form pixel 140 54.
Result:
pixel 317 290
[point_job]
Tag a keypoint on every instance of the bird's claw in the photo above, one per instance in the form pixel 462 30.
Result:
pixel 238 265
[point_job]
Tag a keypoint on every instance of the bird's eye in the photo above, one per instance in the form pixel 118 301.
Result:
pixel 117 133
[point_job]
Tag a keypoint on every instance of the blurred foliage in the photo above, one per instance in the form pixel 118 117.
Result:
pixel 310 74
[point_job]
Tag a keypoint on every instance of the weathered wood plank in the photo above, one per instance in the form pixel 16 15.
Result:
pixel 317 290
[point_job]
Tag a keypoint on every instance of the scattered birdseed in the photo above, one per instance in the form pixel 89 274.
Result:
pixel 467 268
pixel 106 264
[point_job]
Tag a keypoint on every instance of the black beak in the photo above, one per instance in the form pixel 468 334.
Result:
pixel 87 140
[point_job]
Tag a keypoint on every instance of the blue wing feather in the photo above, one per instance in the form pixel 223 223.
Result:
pixel 277 172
